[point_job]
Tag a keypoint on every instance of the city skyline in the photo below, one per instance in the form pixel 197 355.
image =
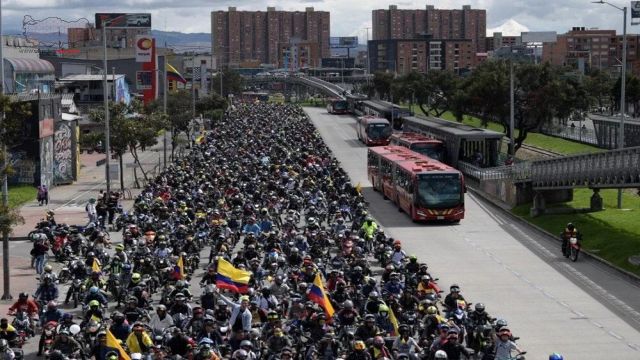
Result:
pixel 347 18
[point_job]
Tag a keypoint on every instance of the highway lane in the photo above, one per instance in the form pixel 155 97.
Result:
pixel 583 310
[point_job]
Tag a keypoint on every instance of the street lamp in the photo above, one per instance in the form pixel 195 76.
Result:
pixel 6 295
pixel 623 80
pixel 105 95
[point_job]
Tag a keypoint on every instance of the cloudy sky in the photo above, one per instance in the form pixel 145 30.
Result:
pixel 348 17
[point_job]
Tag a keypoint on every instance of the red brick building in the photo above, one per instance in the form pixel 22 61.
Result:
pixel 465 23
pixel 239 36
pixel 583 49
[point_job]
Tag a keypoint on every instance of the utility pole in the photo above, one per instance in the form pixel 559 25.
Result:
pixel 164 105
pixel 368 58
pixel 512 147
pixel 6 295
pixel 623 80
pixel 105 95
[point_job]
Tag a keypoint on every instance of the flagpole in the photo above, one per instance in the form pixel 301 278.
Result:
pixel 164 104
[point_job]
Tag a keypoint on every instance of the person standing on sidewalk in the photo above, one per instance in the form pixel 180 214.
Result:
pixel 39 252
pixel 91 210
pixel 43 195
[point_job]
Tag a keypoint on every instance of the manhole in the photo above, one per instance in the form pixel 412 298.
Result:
pixel 634 260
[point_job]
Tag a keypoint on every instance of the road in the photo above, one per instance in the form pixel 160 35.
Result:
pixel 583 310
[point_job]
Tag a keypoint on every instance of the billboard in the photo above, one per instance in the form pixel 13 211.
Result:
pixel 539 37
pixel 122 20
pixel 144 48
pixel 635 13
pixel 343 42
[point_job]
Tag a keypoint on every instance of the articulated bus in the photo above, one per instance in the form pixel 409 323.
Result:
pixel 373 131
pixel 424 188
pixel 338 106
pixel 421 144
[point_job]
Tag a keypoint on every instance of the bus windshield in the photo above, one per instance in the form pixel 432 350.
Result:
pixel 434 151
pixel 378 131
pixel 339 105
pixel 439 190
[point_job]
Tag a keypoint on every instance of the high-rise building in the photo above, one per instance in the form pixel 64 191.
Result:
pixel 241 36
pixel 583 49
pixel 457 24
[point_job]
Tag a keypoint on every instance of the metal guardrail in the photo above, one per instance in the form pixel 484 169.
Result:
pixel 611 169
pixel 518 172
pixel 582 135
pixel 324 86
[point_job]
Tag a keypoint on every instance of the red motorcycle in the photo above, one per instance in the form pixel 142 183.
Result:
pixel 573 249
pixel 347 247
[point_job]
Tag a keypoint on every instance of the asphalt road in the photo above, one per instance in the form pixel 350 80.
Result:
pixel 583 310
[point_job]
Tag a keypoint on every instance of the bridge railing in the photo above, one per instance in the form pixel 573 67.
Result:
pixel 518 172
pixel 615 168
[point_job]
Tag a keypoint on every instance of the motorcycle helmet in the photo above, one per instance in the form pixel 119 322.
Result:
pixel 23 296
pixel 378 340
pixel 440 354
pixel 93 303
pixel 52 305
pixel 556 356
pixel 48 268
pixel 571 227
pixel 240 354
pixel 93 290
pixel 479 307
pixel 4 344
pixel 432 310
pixel 135 278
pixel 348 304
pixel 246 344
pixel 359 345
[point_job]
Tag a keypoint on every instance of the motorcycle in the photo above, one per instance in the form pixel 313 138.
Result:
pixel 77 289
pixel 573 249
pixel 49 335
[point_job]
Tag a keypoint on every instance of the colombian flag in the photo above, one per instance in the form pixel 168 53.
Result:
pixel 174 75
pixel 178 269
pixel 230 278
pixel 394 322
pixel 112 342
pixel 96 265
pixel 318 296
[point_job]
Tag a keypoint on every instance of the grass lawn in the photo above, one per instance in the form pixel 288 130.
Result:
pixel 611 234
pixel 542 141
pixel 20 194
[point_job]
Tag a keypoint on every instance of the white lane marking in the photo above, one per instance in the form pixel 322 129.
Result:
pixel 581 316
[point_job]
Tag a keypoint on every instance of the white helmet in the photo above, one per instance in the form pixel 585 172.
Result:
pixel 440 354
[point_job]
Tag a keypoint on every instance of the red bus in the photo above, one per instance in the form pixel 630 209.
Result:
pixel 424 188
pixel 373 131
pixel 421 144
pixel 338 106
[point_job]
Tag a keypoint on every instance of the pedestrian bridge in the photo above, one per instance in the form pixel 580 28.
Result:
pixel 325 87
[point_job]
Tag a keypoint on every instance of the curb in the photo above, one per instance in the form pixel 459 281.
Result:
pixel 497 204
pixel 18 238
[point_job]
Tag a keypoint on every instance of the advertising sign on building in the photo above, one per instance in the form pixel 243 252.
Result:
pixel 635 13
pixel 144 48
pixel 45 127
pixel 122 20
pixel 343 42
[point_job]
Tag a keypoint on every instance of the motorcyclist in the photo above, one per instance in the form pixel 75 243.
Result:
pixel 139 341
pixel 379 350
pixel 95 294
pixel 452 347
pixel 47 290
pixel 66 344
pixel 120 328
pixel 52 313
pixel 556 356
pixel 359 351
pixel 450 301
pixel 369 329
pixel 398 256
pixel 160 320
pixel 7 331
pixel 405 344
pixel 48 269
pixel 132 311
pixel 383 319
pixel 369 228
pixel 93 313
pixel 95 280
pixel 5 351
pixel 24 304
pixel 347 316
pixel 179 343
pixel 569 232
pixel 504 346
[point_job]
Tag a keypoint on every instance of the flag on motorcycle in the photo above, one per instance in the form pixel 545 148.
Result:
pixel 394 322
pixel 230 278
pixel 178 270
pixel 359 188
pixel 112 342
pixel 318 296
pixel 96 265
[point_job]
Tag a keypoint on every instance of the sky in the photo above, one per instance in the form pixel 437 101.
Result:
pixel 348 18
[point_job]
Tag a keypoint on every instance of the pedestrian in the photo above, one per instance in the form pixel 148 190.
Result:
pixel 91 210
pixel 43 195
pixel 39 252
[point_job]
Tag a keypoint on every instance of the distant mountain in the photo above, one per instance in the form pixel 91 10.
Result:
pixel 182 42
pixel 508 28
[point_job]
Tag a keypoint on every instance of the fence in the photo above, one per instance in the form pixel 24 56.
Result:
pixel 582 135
pixel 518 172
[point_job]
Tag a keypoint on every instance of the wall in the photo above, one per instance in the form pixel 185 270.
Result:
pixel 64 154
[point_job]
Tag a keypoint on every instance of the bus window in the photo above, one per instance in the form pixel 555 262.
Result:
pixel 439 190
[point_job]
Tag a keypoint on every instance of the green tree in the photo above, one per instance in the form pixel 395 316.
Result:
pixel 488 92
pixel 133 128
pixel 382 84
pixel 599 85
pixel 438 91
pixel 232 82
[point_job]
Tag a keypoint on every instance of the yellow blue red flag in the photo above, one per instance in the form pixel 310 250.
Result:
pixel 230 278
pixel 112 342
pixel 96 265
pixel 178 270
pixel 319 296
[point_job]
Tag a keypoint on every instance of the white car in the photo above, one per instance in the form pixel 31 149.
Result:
pixel 138 20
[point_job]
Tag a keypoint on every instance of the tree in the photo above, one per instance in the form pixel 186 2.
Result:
pixel 438 91
pixel 179 114
pixel 599 85
pixel 11 133
pixel 382 84
pixel 232 82
pixel 133 128
pixel 488 93
pixel 211 107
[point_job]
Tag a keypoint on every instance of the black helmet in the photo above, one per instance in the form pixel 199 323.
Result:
pixel 480 307
pixel 571 227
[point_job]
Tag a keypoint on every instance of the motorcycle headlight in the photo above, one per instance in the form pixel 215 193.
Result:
pixel 573 241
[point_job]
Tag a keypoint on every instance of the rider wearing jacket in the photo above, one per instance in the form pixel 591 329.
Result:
pixel 569 232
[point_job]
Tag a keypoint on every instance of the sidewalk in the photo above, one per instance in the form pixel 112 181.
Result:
pixel 68 201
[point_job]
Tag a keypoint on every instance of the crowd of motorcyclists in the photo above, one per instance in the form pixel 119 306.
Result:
pixel 263 192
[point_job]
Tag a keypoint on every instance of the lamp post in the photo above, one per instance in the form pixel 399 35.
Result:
pixel 368 63
pixel 6 295
pixel 623 80
pixel 105 92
